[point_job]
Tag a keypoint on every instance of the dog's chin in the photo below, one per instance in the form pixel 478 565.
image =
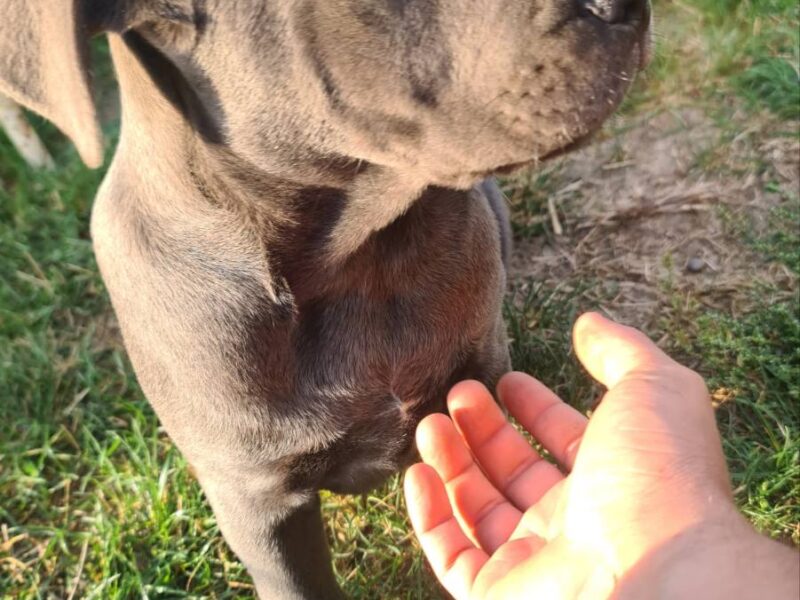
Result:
pixel 469 179
pixel 572 146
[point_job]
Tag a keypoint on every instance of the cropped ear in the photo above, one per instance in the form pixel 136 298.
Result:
pixel 44 66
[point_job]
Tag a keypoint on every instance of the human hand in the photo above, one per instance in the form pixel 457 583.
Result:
pixel 495 519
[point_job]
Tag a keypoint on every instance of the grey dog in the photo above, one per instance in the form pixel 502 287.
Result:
pixel 293 230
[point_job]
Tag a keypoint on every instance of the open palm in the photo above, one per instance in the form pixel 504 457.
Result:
pixel 497 520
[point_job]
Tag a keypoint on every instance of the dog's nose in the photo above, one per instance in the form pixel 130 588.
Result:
pixel 617 11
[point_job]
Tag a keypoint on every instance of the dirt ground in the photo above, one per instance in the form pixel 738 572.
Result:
pixel 639 215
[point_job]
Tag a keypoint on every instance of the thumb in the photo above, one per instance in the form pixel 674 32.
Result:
pixel 664 390
pixel 612 352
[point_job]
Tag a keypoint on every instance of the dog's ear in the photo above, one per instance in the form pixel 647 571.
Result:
pixel 44 66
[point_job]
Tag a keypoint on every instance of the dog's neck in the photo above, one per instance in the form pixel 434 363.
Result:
pixel 310 220
pixel 170 141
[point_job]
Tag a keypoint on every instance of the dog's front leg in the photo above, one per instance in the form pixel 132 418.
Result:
pixel 279 538
pixel 213 353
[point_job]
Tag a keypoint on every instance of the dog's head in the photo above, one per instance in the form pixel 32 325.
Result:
pixel 453 89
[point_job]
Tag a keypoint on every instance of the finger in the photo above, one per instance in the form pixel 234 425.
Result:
pixel 611 352
pixel 557 426
pixel 454 559
pixel 507 458
pixel 660 396
pixel 486 516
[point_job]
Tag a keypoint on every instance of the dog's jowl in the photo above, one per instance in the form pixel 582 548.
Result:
pixel 295 229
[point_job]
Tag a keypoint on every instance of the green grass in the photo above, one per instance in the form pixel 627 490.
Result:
pixel 529 204
pixel 85 468
pixel 539 319
pixel 92 491
pixel 752 367
pixel 718 51
pixel 781 243
pixel 374 553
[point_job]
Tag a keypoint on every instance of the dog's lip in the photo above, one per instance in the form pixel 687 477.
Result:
pixel 646 46
pixel 575 144
pixel 645 41
pixel 645 51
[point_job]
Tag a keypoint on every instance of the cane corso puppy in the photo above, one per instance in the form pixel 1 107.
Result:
pixel 293 230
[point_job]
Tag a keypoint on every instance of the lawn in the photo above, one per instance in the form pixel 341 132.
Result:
pixel 682 219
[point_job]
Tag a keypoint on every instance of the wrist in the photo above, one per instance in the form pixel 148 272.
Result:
pixel 724 558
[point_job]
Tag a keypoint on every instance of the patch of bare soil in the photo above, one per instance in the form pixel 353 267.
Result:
pixel 645 216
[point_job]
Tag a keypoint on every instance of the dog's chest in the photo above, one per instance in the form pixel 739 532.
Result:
pixel 416 312
pixel 348 360
pixel 412 306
